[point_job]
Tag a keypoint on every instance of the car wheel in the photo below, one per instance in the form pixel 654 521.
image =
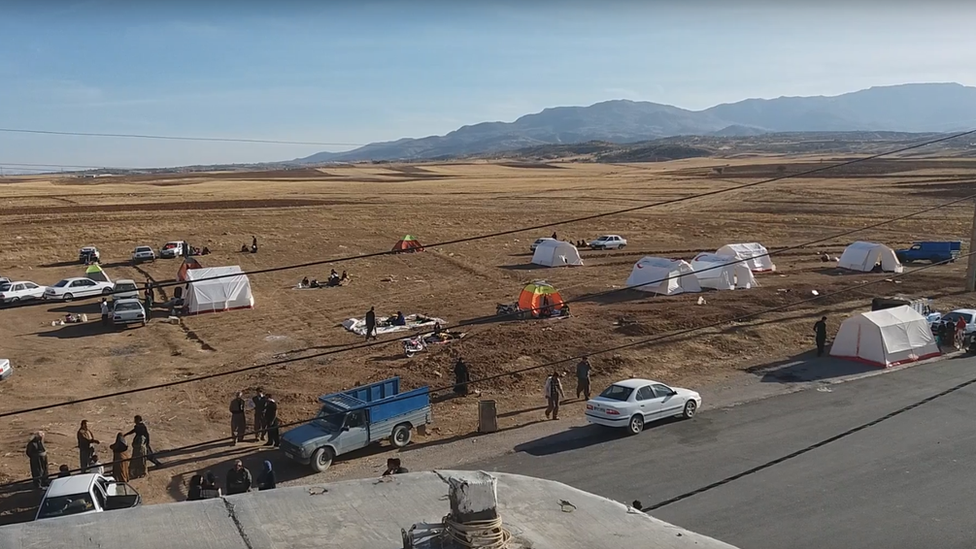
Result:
pixel 636 425
pixel 622 246
pixel 106 291
pixel 14 299
pixel 322 459
pixel 401 435
pixel 690 409
pixel 68 297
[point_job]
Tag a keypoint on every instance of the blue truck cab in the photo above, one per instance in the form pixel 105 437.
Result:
pixel 356 418
pixel 936 252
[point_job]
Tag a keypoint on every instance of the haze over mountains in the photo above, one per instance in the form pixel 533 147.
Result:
pixel 935 107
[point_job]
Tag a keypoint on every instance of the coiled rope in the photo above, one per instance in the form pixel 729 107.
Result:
pixel 480 534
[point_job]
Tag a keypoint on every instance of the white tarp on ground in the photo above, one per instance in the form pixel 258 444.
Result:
pixel 722 272
pixel 222 294
pixel 756 254
pixel 864 256
pixel 383 326
pixel 885 338
pixel 663 276
pixel 556 253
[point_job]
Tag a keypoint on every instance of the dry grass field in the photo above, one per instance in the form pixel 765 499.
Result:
pixel 308 215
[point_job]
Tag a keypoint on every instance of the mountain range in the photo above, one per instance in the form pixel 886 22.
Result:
pixel 927 107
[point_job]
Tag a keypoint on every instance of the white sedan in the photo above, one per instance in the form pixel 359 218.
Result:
pixel 70 288
pixel 632 403
pixel 609 242
pixel 11 292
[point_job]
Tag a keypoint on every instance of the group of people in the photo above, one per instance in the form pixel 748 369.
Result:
pixel 128 462
pixel 237 481
pixel 335 279
pixel 265 415
pixel 553 388
pixel 950 334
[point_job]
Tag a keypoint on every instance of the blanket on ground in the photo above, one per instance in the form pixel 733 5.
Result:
pixel 384 324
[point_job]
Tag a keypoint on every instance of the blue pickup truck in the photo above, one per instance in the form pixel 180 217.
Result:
pixel 936 252
pixel 356 418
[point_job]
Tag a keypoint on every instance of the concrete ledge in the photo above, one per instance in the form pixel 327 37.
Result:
pixel 358 514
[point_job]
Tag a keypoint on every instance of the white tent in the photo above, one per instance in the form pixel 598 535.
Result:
pixel 663 276
pixel 756 254
pixel 221 294
pixel 885 338
pixel 556 253
pixel 864 256
pixel 722 272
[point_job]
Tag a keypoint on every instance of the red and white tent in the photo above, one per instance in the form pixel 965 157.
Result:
pixel 885 338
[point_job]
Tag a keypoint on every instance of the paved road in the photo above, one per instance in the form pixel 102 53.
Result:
pixel 885 461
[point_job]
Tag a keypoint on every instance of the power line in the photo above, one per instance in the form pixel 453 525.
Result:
pixel 463 323
pixel 568 221
pixel 555 363
pixel 182 138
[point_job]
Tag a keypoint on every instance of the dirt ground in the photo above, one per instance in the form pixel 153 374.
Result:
pixel 311 215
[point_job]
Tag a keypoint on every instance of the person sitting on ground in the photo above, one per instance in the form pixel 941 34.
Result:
pixel 206 251
pixel 196 486
pixel 437 328
pixel 333 274
pixel 344 277
pixel 303 283
pixel 393 467
pixel 209 488
pixel 400 320
pixel 314 283
pixel 244 248
pixel 254 249
pixel 332 282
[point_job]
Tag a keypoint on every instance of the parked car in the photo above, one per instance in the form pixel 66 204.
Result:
pixel 935 252
pixel 12 292
pixel 70 288
pixel 143 253
pixel 86 493
pixel 354 419
pixel 609 242
pixel 89 254
pixel 535 244
pixel 634 402
pixel 969 315
pixel 4 279
pixel 171 249
pixel 6 370
pixel 128 311
pixel 125 289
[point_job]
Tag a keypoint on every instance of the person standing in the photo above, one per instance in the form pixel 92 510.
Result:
pixel 554 391
pixel 120 459
pixel 238 421
pixel 960 332
pixel 104 305
pixel 149 302
pixel 141 429
pixel 238 479
pixel 137 466
pixel 370 323
pixel 259 401
pixel 194 491
pixel 37 454
pixel 820 333
pixel 271 421
pixel 266 480
pixel 461 377
pixel 85 442
pixel 583 378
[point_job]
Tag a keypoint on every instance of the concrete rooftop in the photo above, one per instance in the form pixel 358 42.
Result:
pixel 357 514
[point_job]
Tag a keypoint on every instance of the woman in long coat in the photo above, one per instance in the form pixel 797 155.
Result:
pixel 120 459
pixel 137 467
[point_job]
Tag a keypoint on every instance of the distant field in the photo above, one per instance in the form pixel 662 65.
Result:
pixel 304 215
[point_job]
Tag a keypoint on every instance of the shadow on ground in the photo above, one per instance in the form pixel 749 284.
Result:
pixel 806 367
pixel 576 438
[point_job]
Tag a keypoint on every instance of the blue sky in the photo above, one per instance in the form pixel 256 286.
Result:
pixel 357 72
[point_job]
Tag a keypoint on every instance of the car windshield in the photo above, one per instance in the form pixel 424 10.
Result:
pixel 127 306
pixel 332 417
pixel 4 286
pixel 617 392
pixel 130 287
pixel 66 505
pixel 143 249
pixel 62 283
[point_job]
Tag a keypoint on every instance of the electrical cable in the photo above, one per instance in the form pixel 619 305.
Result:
pixel 476 321
pixel 554 363
pixel 554 223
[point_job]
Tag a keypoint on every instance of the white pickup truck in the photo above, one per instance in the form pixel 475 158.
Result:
pixel 85 493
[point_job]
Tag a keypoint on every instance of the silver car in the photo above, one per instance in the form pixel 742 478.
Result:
pixel 128 311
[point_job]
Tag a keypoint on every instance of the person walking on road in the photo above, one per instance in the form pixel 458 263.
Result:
pixel 583 378
pixel 238 421
pixel 960 332
pixel 104 306
pixel 259 401
pixel 370 323
pixel 37 454
pixel 462 376
pixel 820 331
pixel 554 392
pixel 271 421
pixel 140 429
pixel 85 442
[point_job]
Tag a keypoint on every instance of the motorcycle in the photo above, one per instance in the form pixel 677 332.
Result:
pixel 414 345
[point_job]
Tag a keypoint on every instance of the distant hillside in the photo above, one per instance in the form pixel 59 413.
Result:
pixel 904 108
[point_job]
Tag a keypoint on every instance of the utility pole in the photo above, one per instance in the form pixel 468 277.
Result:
pixel 971 269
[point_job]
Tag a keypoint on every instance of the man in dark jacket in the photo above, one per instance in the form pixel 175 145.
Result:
pixel 238 421
pixel 583 378
pixel 140 429
pixel 238 479
pixel 259 401
pixel 461 378
pixel 370 324
pixel 271 421
pixel 820 331
pixel 37 454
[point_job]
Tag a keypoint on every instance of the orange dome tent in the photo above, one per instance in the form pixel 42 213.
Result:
pixel 408 244
pixel 541 298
